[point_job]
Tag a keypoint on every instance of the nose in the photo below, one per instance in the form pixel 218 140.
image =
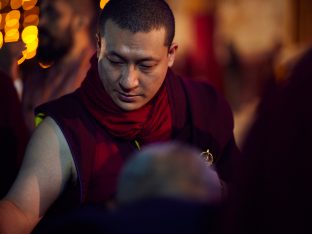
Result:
pixel 130 79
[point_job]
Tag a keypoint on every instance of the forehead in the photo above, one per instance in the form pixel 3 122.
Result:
pixel 118 39
pixel 55 5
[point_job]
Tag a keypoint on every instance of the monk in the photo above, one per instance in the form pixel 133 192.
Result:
pixel 129 99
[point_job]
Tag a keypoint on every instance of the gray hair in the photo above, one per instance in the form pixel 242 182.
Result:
pixel 168 170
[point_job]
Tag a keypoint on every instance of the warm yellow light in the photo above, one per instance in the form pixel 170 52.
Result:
pixel 21 60
pixel 11 35
pixel 32 46
pixel 29 52
pixel 14 14
pixel 15 27
pixel 30 34
pixel 103 3
pixel 30 55
pixel 12 23
pixel 11 32
pixel 15 4
pixel 29 4
pixel 45 66
pixel 1 39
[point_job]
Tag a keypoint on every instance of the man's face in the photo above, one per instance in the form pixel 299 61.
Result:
pixel 133 66
pixel 55 32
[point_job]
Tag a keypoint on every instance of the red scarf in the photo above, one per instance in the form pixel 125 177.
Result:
pixel 150 123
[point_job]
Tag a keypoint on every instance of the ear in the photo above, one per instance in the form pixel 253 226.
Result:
pixel 98 44
pixel 171 54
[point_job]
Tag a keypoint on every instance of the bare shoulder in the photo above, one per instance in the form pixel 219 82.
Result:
pixel 46 169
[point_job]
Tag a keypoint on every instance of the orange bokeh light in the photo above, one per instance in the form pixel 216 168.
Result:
pixel 31 17
pixel 11 35
pixel 31 54
pixel 15 4
pixel 1 39
pixel 103 3
pixel 12 20
pixel 12 23
pixel 29 4
pixel 21 60
pixel 14 14
pixel 45 66
pixel 26 12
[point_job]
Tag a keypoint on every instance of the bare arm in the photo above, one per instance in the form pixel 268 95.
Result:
pixel 46 169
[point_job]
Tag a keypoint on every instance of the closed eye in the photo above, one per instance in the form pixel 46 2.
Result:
pixel 115 61
pixel 146 66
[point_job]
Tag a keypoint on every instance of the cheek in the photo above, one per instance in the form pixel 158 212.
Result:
pixel 153 84
pixel 108 75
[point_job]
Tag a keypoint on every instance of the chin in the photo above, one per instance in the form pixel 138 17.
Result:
pixel 129 106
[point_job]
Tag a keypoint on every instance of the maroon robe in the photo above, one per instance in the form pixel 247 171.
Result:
pixel 200 117
pixel 272 192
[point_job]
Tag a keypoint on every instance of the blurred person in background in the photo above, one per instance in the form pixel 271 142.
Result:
pixel 10 53
pixel 13 133
pixel 247 48
pixel 129 98
pixel 196 26
pixel 66 44
pixel 272 191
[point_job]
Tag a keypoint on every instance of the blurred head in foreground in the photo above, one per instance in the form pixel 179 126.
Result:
pixel 169 170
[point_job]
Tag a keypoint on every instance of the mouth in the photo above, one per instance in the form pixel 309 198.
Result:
pixel 127 97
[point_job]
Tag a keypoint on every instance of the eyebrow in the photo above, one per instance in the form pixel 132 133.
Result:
pixel 146 59
pixel 113 53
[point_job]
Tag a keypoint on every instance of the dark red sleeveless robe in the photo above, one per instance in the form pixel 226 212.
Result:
pixel 200 117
